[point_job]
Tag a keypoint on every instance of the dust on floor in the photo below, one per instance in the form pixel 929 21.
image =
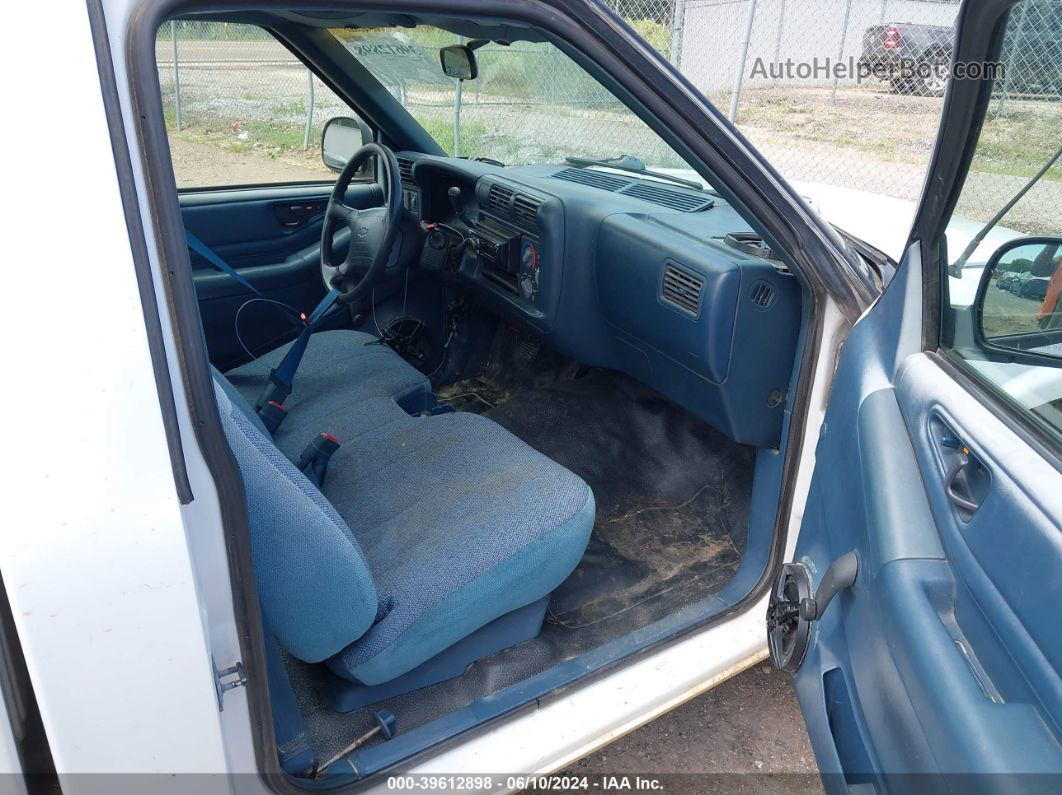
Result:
pixel 746 735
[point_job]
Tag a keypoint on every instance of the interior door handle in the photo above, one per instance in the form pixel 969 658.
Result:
pixel 952 488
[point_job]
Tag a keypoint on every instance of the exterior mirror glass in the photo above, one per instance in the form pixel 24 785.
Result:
pixel 342 137
pixel 1020 297
pixel 458 62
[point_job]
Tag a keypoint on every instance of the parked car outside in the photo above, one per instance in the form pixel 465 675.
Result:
pixel 924 50
pixel 1006 279
pixel 1015 285
pixel 916 58
pixel 1035 288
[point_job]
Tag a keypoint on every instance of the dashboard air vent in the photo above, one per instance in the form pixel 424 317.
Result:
pixel 682 289
pixel 525 211
pixel 498 199
pixel 646 191
pixel 762 295
pixel 405 170
pixel 595 179
pixel 675 200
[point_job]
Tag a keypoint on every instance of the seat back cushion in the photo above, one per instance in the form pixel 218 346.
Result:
pixel 313 581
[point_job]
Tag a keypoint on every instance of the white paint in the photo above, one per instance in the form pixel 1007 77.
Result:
pixel 93 551
pixel 885 223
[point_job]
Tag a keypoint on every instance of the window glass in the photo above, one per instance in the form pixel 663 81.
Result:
pixel 530 103
pixel 1004 242
pixel 240 109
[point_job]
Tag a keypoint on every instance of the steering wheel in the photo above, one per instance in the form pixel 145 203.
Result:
pixel 374 232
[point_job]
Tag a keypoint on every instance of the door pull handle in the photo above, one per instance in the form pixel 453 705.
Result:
pixel 952 492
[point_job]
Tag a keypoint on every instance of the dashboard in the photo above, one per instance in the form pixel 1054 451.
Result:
pixel 666 284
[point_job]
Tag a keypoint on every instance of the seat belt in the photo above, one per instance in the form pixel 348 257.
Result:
pixel 203 250
pixel 314 459
pixel 282 376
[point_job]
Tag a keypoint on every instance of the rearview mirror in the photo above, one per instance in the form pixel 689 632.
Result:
pixel 1019 300
pixel 459 62
pixel 342 137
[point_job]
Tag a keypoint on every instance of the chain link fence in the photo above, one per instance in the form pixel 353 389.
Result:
pixel 793 75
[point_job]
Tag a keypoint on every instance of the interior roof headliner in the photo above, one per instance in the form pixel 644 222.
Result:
pixel 472 28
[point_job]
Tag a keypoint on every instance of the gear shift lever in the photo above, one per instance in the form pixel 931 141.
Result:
pixel 457 201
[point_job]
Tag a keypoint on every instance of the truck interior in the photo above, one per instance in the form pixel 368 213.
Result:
pixel 540 427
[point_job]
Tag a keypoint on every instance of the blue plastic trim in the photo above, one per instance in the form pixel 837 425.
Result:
pixel 516 627
pixel 293 744
pixel 379 757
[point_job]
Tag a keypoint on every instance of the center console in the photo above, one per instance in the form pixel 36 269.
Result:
pixel 508 238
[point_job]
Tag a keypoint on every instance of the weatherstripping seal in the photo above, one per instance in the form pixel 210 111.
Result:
pixel 145 285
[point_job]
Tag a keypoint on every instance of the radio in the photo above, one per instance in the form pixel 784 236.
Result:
pixel 498 249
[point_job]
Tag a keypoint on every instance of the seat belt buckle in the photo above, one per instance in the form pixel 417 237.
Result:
pixel 272 414
pixel 314 459
pixel 274 392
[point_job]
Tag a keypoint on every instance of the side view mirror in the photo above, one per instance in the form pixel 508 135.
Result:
pixel 342 137
pixel 459 62
pixel 1019 300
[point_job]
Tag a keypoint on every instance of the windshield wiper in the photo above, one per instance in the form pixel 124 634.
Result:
pixel 632 165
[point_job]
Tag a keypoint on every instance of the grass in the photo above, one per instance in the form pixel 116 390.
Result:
pixel 1018 143
pixel 473 134
pixel 266 136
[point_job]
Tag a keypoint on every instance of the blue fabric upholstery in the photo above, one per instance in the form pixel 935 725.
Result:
pixel 459 521
pixel 313 581
pixel 238 401
pixel 472 590
pixel 339 370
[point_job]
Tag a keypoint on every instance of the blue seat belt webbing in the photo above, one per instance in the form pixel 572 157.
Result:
pixel 282 376
pixel 203 250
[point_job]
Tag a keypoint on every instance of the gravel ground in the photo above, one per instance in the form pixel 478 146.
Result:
pixel 201 164
pixel 746 735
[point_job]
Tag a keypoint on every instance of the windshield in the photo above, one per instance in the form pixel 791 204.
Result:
pixel 529 104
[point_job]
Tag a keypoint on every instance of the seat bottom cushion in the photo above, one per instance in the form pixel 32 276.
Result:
pixel 340 370
pixel 461 522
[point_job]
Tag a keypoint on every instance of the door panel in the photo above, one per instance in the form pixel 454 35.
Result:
pixel 937 668
pixel 1006 555
pixel 943 656
pixel 271 235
